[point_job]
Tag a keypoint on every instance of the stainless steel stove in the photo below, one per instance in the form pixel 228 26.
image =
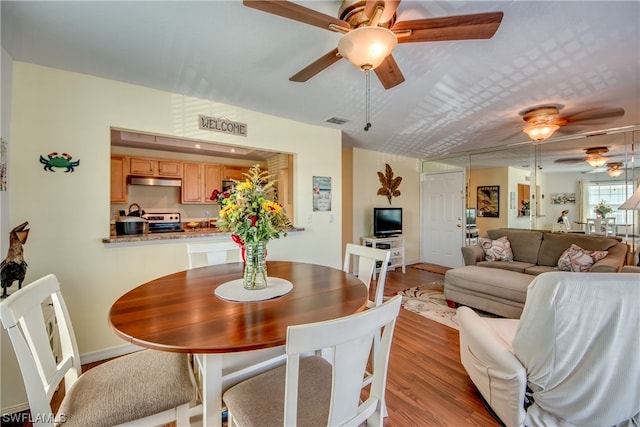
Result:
pixel 160 222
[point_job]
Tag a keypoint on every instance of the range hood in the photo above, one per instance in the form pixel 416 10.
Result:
pixel 150 180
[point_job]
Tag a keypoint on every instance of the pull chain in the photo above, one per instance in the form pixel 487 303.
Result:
pixel 368 99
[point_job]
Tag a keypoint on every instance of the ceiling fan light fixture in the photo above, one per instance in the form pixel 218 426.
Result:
pixel 367 47
pixel 540 132
pixel 614 173
pixel 597 161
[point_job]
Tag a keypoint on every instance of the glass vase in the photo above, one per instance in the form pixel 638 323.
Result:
pixel 255 265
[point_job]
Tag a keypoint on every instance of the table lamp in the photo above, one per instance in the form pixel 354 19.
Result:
pixel 632 203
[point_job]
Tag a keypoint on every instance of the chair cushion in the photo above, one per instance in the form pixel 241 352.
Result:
pixel 516 266
pixel 497 250
pixel 128 388
pixel 577 259
pixel 259 401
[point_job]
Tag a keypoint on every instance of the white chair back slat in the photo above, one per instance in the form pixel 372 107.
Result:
pixel 202 254
pixel 367 263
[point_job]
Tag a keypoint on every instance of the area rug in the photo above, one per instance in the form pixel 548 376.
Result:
pixel 431 268
pixel 428 301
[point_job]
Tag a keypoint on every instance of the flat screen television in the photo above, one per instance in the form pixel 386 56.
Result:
pixel 387 222
pixel 471 217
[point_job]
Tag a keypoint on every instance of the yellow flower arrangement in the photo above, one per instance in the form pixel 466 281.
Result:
pixel 249 211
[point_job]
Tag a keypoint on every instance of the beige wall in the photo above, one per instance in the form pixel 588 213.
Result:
pixel 347 197
pixel 68 213
pixel 366 165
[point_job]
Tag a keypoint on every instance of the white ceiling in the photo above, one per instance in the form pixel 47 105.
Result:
pixel 458 96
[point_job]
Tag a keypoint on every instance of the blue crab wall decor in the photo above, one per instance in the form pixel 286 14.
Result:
pixel 55 160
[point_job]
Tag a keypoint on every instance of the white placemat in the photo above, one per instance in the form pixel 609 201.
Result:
pixel 234 291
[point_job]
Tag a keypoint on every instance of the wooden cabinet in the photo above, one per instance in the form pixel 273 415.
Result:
pixel 212 181
pixel 155 167
pixel 198 182
pixel 192 183
pixel 234 172
pixel 119 172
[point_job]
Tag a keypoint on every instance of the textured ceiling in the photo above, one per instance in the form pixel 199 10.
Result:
pixel 458 96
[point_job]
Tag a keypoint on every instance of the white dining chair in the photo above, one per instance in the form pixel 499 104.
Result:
pixel 313 391
pixel 239 366
pixel 212 253
pixel 143 388
pixel 601 226
pixel 368 259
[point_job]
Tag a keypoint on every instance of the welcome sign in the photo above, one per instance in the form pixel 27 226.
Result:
pixel 215 124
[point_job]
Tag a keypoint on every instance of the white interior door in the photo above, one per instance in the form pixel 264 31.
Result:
pixel 443 203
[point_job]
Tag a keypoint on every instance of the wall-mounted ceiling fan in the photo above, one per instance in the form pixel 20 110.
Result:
pixel 544 120
pixel 374 21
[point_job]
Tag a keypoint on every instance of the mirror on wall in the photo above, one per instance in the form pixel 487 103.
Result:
pixel 555 176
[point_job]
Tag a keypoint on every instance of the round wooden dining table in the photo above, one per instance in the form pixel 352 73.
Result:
pixel 232 340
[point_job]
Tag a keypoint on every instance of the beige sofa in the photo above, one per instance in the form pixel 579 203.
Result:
pixel 500 287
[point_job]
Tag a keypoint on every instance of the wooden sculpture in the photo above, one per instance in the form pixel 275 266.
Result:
pixel 389 183
pixel 13 267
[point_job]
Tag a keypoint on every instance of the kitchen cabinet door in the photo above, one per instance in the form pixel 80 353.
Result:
pixel 192 183
pixel 119 172
pixel 141 166
pixel 234 172
pixel 169 168
pixel 212 181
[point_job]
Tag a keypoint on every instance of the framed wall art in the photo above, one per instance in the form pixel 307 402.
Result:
pixel 563 198
pixel 489 201
pixel 322 193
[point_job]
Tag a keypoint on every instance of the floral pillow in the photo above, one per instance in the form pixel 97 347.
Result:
pixel 497 250
pixel 577 259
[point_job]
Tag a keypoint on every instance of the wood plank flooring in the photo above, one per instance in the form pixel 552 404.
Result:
pixel 426 384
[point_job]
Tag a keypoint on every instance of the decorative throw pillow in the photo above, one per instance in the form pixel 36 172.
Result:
pixel 497 250
pixel 577 259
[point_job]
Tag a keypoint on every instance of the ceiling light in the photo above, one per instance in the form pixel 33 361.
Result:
pixel 540 132
pixel 596 160
pixel 367 47
pixel 615 169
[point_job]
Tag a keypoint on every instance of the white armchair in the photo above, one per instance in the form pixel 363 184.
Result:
pixel 575 348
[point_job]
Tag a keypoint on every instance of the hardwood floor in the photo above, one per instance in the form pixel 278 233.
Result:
pixel 426 384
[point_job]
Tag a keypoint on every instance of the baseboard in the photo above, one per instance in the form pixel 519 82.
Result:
pixel 12 410
pixel 108 353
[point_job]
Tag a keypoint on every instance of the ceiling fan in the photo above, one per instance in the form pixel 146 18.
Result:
pixel 362 21
pixel 595 156
pixel 544 120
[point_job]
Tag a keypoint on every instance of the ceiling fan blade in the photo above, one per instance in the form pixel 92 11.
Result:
pixel 315 67
pixel 570 160
pixel 591 114
pixel 294 11
pixel 463 27
pixel 389 73
pixel 389 6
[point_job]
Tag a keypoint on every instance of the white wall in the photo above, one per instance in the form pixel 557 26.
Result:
pixel 366 165
pixel 69 213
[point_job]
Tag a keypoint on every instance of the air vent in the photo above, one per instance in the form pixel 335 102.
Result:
pixel 337 120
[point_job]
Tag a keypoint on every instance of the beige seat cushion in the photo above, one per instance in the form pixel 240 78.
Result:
pixel 517 266
pixel 125 389
pixel 314 391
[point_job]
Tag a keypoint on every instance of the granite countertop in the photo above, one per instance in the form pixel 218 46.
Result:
pixel 197 234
